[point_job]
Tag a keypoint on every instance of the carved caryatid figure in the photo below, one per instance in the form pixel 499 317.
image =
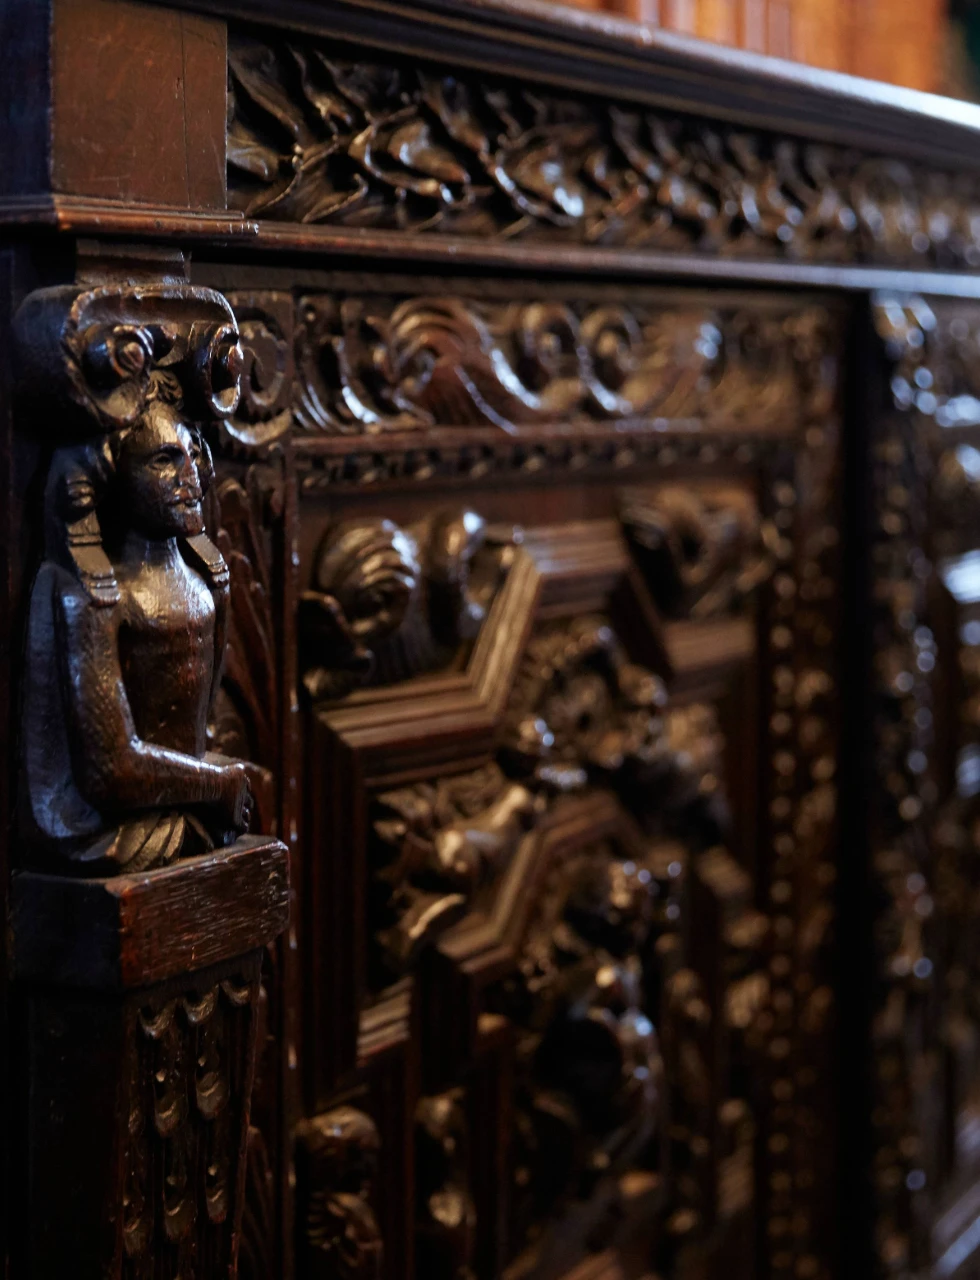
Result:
pixel 127 614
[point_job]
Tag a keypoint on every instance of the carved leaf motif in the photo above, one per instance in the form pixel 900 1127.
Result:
pixel 186 1104
pixel 368 144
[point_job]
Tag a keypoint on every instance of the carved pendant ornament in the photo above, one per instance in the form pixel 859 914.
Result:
pixel 128 612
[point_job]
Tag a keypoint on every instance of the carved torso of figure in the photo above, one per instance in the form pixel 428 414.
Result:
pixel 166 623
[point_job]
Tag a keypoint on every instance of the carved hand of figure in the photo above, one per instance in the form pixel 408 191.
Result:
pixel 237 801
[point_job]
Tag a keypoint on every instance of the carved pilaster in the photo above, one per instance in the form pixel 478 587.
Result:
pixel 141 921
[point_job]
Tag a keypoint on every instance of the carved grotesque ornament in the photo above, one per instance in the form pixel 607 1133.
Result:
pixel 127 621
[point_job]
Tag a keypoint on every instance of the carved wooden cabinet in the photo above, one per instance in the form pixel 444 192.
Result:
pixel 490 630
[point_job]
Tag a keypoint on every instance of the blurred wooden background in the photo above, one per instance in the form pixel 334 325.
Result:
pixel 916 43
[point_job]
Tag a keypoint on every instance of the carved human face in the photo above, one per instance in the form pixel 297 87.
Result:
pixel 160 472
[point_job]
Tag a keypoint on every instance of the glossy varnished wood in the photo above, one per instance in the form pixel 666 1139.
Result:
pixel 131 931
pixel 557 431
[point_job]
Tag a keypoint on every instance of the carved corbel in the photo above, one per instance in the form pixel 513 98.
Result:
pixel 140 918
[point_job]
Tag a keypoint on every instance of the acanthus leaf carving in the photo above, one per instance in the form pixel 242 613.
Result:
pixel 316 138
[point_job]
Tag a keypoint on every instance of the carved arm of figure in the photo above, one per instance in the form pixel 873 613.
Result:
pixel 117 770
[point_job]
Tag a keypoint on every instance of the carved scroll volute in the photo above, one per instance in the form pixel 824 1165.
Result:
pixel 139 949
pixel 337 1159
pixel 389 603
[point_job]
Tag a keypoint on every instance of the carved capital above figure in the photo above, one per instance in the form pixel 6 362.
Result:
pixel 128 613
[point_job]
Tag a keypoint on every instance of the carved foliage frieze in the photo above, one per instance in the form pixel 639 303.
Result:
pixel 315 137
pixel 381 364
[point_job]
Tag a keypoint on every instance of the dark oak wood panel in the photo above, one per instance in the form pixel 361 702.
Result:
pixel 488 652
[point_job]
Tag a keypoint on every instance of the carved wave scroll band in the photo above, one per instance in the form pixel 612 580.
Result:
pixel 378 364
